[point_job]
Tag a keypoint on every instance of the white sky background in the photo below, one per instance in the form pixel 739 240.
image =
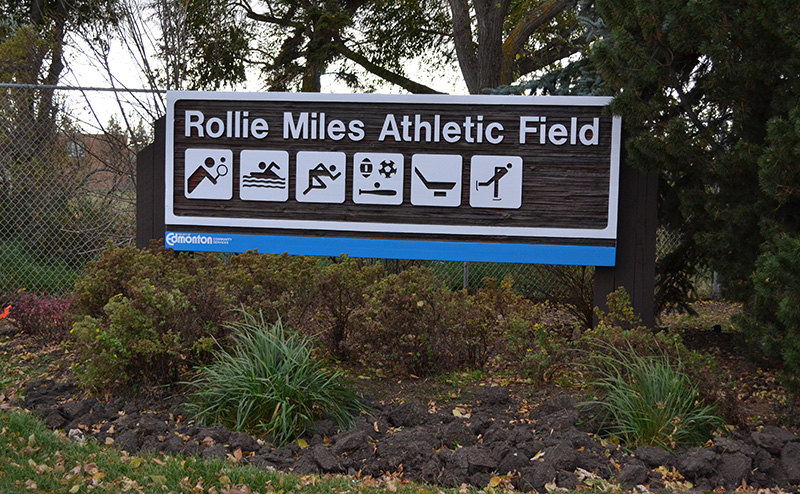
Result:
pixel 94 110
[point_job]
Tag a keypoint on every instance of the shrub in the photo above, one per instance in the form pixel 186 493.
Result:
pixel 277 284
pixel 112 273
pixel 412 323
pixel 489 318
pixel 341 287
pixel 40 316
pixel 650 401
pixel 269 384
pixel 619 328
pixel 145 318
pixel 539 351
pixel 408 324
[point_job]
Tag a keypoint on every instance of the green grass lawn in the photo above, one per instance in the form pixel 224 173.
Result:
pixel 20 269
pixel 34 459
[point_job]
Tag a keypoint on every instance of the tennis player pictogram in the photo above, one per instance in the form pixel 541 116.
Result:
pixel 208 174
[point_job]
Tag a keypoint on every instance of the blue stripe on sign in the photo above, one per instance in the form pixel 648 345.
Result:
pixel 429 250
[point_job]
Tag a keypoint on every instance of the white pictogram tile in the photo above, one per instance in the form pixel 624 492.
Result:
pixel 495 182
pixel 320 177
pixel 378 178
pixel 264 175
pixel 436 180
pixel 209 174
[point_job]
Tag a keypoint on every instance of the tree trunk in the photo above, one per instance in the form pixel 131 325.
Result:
pixel 465 45
pixel 490 15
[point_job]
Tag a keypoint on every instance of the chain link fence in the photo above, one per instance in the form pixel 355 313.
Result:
pixel 66 192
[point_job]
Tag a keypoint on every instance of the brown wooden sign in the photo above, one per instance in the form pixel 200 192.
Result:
pixel 479 178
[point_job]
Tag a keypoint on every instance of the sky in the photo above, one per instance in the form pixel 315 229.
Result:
pixel 93 109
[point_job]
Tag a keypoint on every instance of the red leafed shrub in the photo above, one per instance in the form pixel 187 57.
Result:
pixel 43 317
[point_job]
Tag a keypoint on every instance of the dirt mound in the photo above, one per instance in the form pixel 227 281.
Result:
pixel 555 443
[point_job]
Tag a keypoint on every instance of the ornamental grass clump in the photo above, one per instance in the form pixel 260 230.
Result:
pixel 650 401
pixel 269 384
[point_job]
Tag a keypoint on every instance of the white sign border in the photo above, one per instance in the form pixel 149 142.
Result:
pixel 609 232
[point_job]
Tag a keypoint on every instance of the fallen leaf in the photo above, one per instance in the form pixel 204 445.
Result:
pixel 552 487
pixel 245 489
pixel 159 479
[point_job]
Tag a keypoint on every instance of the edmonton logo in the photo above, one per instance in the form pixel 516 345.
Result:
pixel 174 238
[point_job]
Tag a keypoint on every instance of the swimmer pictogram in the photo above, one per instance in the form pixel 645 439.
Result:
pixel 267 177
pixel 264 175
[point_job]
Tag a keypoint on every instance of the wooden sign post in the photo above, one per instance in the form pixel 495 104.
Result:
pixel 459 178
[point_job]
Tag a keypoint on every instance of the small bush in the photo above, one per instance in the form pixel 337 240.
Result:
pixel 539 351
pixel 412 323
pixel 652 402
pixel 342 287
pixel 408 324
pixel 619 328
pixel 489 318
pixel 269 384
pixel 43 317
pixel 146 318
pixel 277 284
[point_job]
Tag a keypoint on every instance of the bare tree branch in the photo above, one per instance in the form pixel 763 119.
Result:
pixel 383 73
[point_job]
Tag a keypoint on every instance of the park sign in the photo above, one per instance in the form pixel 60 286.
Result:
pixel 472 178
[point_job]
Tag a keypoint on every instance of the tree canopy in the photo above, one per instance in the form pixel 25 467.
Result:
pixel 33 35
pixel 293 43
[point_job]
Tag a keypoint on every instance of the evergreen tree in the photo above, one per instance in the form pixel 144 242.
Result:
pixel 710 95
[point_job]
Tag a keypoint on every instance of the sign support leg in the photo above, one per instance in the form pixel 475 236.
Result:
pixel 636 245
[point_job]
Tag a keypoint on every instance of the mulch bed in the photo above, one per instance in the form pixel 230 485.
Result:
pixel 552 445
